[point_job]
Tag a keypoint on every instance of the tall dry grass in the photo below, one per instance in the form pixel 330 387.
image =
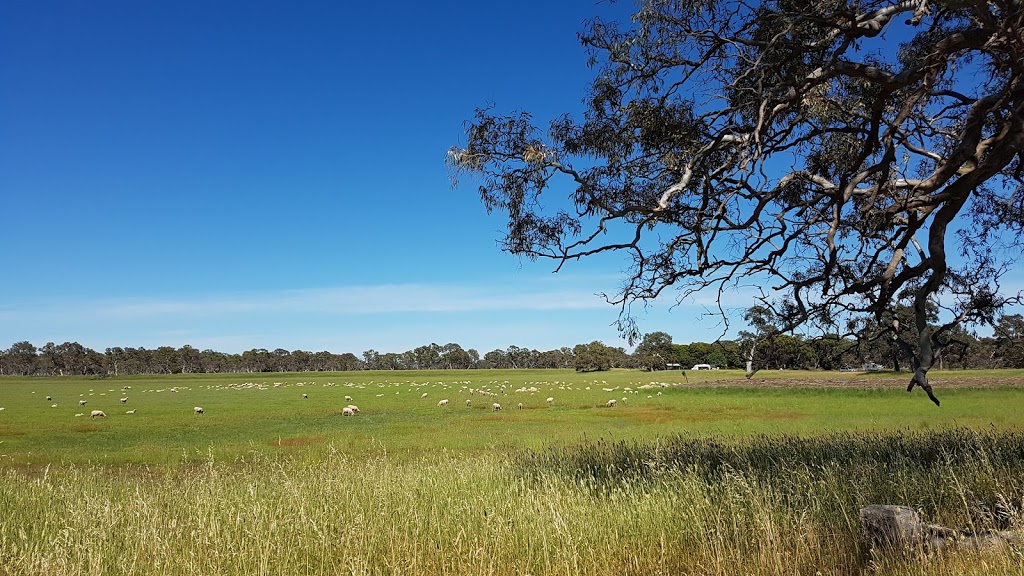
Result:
pixel 676 506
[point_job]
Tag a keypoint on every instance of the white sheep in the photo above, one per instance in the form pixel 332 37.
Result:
pixel 551 400
pixel 346 411
pixel 79 414
pixel 198 410
pixel 130 412
pixel 495 407
pixel 611 403
pixel 53 406
pixel 468 403
pixel 424 395
pixel 124 400
pixel 49 398
pixel 354 408
pixel 305 396
pixel 442 403
pixel 348 398
pixel 97 414
pixel 519 406
pixel 82 402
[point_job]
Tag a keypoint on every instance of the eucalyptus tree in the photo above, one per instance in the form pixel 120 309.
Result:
pixel 849 157
pixel 593 357
pixel 21 359
pixel 655 351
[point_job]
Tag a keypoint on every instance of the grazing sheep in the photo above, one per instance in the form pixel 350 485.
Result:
pixel 551 400
pixel 353 407
pixel 442 403
pixel 124 400
pixel 346 411
pixel 130 412
pixel 305 396
pixel 519 406
pixel 97 414
pixel 468 403
pixel 79 414
pixel 49 399
pixel 348 398
pixel 198 409
pixel 2 408
pixel 611 403
pixel 53 406
pixel 82 402
pixel 424 395
pixel 495 407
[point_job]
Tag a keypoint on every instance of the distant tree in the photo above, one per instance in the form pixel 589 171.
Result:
pixel 189 359
pixel 453 357
pixel 765 324
pixel 21 359
pixel 280 360
pixel 517 357
pixel 789 145
pixel 166 361
pixel 301 360
pixel 426 357
pixel 371 358
pixel 654 351
pixel 393 361
pixel 592 357
pixel 322 361
pixel 683 355
pixel 68 359
pixel 256 360
pixel 831 352
pixel 1009 346
pixel 212 362
pixel 348 362
pixel 561 358
pixel 495 359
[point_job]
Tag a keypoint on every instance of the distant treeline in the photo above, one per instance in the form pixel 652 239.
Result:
pixel 655 352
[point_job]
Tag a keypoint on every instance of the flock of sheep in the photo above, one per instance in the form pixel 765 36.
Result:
pixel 493 389
pixel 122 400
pixel 495 407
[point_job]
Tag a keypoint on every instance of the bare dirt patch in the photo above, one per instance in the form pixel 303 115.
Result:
pixel 649 414
pixel 297 441
pixel 888 380
pixel 742 416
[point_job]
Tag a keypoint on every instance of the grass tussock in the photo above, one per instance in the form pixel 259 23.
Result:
pixel 767 505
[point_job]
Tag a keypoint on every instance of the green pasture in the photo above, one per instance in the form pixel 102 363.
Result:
pixel 267 413
pixel 709 474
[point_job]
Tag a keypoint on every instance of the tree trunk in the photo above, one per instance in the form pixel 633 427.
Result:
pixel 750 361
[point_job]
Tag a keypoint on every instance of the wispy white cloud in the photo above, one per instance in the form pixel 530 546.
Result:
pixel 553 311
pixel 345 300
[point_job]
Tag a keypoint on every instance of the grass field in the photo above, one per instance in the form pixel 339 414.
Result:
pixel 707 474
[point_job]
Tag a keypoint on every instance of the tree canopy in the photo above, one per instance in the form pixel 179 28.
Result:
pixel 854 158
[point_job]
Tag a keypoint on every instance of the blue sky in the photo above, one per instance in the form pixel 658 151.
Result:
pixel 234 175
pixel 237 175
